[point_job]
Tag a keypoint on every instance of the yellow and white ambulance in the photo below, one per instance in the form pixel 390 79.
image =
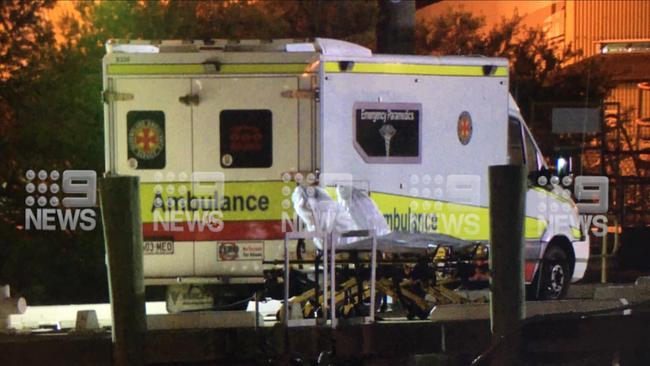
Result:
pixel 221 132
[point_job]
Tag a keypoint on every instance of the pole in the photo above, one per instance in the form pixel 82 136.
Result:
pixel 287 277
pixel 603 257
pixel 333 238
pixel 120 205
pixel 373 275
pixel 396 27
pixel 507 306
pixel 616 236
pixel 257 308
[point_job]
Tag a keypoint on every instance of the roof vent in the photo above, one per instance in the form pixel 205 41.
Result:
pixel 334 47
pixel 300 47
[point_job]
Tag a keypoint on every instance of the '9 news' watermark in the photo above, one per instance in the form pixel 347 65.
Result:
pixel 48 212
pixel 591 196
pixel 454 204
pixel 193 205
pixel 67 201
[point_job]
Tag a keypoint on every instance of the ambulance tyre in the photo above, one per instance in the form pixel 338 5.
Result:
pixel 554 275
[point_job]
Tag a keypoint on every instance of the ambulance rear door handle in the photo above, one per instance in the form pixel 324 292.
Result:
pixel 301 94
pixel 109 96
pixel 189 99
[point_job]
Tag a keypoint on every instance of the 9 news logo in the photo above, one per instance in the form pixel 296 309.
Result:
pixel 61 201
pixel 591 193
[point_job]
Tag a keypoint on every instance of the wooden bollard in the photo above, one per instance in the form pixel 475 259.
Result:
pixel 9 306
pixel 120 205
pixel 507 293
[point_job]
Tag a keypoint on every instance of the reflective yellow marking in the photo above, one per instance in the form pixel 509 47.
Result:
pixel 264 68
pixel 297 68
pixel 461 221
pixel 414 69
pixel 404 213
pixel 166 69
pixel 263 200
pixel 146 69
pixel 577 234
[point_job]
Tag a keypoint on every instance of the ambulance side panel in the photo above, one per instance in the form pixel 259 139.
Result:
pixel 445 169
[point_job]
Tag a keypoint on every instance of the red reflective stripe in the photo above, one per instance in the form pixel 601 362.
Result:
pixel 529 270
pixel 232 230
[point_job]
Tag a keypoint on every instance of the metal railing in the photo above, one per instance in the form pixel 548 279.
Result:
pixel 330 241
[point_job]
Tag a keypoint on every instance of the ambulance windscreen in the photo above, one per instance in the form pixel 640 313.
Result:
pixel 531 154
pixel 246 138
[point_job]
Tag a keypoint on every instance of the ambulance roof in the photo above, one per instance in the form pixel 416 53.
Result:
pixel 323 46
pixel 329 49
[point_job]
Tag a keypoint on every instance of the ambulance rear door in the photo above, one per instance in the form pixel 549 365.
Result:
pixel 245 136
pixel 151 138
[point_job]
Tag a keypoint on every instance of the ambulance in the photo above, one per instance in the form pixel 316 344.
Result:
pixel 221 133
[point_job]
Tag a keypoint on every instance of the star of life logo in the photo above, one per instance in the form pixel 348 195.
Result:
pixel 61 201
pixel 146 139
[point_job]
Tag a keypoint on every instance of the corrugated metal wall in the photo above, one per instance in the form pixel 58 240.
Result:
pixel 597 20
pixel 628 95
pixel 588 22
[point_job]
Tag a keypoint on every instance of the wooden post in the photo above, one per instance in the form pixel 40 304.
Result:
pixel 507 305
pixel 120 205
pixel 8 306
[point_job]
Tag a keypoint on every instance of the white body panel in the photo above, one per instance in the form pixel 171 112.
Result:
pixel 241 93
pixel 313 132
pixel 442 98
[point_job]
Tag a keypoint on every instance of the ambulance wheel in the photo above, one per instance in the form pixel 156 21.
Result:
pixel 554 275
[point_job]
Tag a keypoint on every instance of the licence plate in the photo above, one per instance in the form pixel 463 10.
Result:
pixel 164 247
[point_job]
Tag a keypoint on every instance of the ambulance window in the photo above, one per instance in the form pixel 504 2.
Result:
pixel 246 138
pixel 146 139
pixel 531 154
pixel 515 144
pixel 387 133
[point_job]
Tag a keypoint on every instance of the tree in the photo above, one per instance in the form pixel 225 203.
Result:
pixel 23 34
pixel 456 32
pixel 537 68
pixel 51 110
pixel 46 123
pixel 353 21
